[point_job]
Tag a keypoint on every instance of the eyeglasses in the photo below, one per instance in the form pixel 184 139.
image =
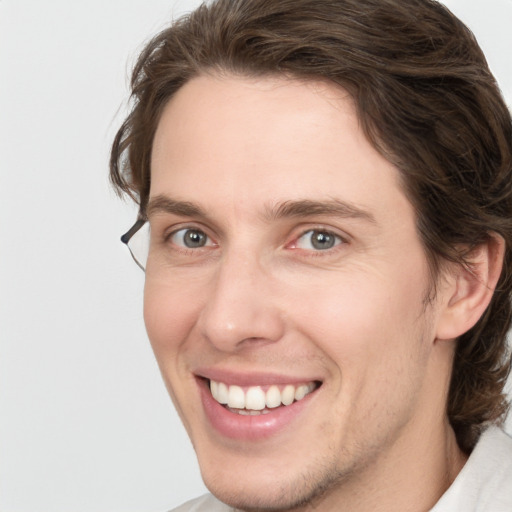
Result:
pixel 137 241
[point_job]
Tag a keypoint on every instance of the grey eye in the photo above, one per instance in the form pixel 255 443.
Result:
pixel 190 238
pixel 318 240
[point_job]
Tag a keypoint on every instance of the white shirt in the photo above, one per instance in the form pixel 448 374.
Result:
pixel 483 485
pixel 485 482
pixel 206 503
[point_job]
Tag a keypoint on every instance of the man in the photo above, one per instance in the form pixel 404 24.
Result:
pixel 328 191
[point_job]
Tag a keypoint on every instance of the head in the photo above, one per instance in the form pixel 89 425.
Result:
pixel 418 90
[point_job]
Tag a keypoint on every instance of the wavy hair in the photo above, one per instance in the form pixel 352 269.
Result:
pixel 426 100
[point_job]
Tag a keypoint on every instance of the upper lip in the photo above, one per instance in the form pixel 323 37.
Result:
pixel 251 378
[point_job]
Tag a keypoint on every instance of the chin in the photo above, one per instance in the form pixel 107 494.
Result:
pixel 279 496
pixel 262 487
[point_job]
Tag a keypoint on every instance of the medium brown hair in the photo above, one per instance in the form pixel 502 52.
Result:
pixel 426 100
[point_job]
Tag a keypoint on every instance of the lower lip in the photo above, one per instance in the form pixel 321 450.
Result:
pixel 250 428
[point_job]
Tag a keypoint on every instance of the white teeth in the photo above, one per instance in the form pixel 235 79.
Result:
pixel 248 412
pixel 273 398
pixel 236 397
pixel 301 392
pixel 288 395
pixel 214 388
pixel 222 393
pixel 254 400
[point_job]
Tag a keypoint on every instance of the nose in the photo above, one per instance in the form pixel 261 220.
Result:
pixel 242 307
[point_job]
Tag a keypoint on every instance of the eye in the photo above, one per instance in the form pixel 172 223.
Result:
pixel 317 240
pixel 191 238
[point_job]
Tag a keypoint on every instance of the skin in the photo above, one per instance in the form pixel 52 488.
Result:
pixel 259 297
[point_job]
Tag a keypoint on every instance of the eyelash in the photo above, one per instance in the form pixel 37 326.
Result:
pixel 294 245
pixel 189 229
pixel 328 234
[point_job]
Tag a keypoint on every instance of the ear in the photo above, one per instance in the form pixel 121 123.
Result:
pixel 469 289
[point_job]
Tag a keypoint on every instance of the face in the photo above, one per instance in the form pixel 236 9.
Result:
pixel 285 291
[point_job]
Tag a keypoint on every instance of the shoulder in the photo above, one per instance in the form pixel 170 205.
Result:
pixel 206 503
pixel 485 482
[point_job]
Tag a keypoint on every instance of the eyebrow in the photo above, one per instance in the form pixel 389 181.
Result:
pixel 288 209
pixel 163 204
pixel 306 208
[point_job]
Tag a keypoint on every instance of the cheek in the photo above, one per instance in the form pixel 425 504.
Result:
pixel 366 325
pixel 376 345
pixel 169 314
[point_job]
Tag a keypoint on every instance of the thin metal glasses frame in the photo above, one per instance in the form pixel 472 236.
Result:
pixel 129 235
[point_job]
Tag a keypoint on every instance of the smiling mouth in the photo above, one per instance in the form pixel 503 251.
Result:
pixel 256 400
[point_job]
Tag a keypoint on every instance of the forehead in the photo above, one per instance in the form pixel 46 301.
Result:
pixel 250 142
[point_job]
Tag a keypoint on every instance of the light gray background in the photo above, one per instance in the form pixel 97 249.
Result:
pixel 85 422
